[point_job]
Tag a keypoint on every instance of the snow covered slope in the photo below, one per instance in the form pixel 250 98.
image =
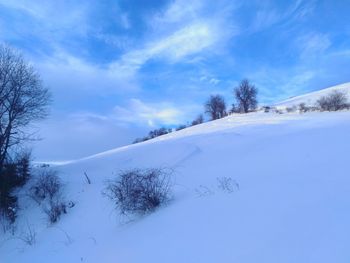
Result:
pixel 311 98
pixel 290 204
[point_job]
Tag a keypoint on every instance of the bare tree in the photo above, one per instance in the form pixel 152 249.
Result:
pixel 198 120
pixel 23 99
pixel 215 107
pixel 334 101
pixel 245 95
pixel 234 109
pixel 181 127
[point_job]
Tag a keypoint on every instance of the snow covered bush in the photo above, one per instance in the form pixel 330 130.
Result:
pixel 333 102
pixel 8 200
pixel 291 109
pixel 153 134
pixel 227 184
pixel 13 175
pixel 46 185
pixel 47 192
pixel 303 107
pixel 140 191
pixel 181 127
pixel 8 211
pixel 55 209
pixel 198 120
pixel 266 109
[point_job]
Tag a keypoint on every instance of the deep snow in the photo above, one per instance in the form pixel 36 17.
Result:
pixel 292 203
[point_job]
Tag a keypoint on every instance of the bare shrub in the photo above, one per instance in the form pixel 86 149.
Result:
pixel 69 240
pixel 28 237
pixel 158 132
pixel 140 191
pixel 291 109
pixel 198 120
pixel 203 191
pixel 8 208
pixel 153 134
pixel 47 189
pixel 47 185
pixel 335 101
pixel 13 175
pixel 7 225
pixel 266 109
pixel 55 209
pixel 303 108
pixel 227 184
pixel 181 127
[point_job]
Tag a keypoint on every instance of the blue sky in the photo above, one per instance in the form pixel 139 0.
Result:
pixel 120 68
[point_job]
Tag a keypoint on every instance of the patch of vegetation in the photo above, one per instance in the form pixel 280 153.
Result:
pixel 140 191
pixel 14 174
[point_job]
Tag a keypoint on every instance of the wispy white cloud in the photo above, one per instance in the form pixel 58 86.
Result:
pixel 265 18
pixel 65 72
pixel 179 32
pixel 50 20
pixel 64 25
pixel 312 44
pixel 341 53
pixel 277 84
pixel 125 21
pixel 179 11
pixel 268 14
pixel 151 114
pixel 187 41
pixel 209 79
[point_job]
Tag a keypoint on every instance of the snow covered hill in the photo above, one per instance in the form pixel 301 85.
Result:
pixel 290 201
pixel 311 98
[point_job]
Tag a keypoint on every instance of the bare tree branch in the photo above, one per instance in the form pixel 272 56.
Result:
pixel 215 107
pixel 245 95
pixel 23 99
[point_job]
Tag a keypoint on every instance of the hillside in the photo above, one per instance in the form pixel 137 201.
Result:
pixel 290 201
pixel 311 98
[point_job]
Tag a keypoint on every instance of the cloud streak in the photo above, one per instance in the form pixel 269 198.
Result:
pixel 312 44
pixel 138 112
pixel 190 40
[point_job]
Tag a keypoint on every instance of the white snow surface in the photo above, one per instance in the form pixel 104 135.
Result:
pixel 311 98
pixel 292 203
